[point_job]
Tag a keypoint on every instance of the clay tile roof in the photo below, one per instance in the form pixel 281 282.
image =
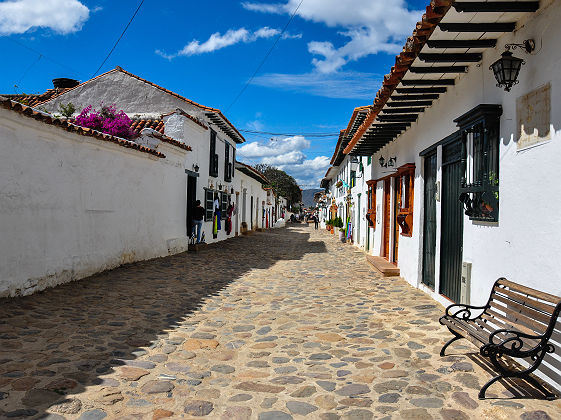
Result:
pixel 36 98
pixel 252 172
pixel 169 140
pixel 215 115
pixel 435 11
pixel 194 119
pixel 64 124
pixel 138 124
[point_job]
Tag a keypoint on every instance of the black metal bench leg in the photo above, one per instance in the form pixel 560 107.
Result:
pixel 548 395
pixel 481 395
pixel 456 337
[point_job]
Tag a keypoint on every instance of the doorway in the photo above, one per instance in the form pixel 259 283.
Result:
pixel 237 218
pixel 358 220
pixel 191 198
pixel 429 221
pixel 394 224
pixel 251 213
pixel 451 245
pixel 386 233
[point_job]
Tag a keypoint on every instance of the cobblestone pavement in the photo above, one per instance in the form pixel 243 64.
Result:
pixel 278 325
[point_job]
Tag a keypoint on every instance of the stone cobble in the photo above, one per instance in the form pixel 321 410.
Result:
pixel 284 324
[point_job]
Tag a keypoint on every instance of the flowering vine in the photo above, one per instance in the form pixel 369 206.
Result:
pixel 108 121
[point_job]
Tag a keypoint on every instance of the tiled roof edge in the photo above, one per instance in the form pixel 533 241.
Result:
pixel 73 128
pixel 435 11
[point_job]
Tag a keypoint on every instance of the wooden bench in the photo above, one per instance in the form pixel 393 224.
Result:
pixel 517 321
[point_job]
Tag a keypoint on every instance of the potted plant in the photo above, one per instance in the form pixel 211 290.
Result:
pixel 342 235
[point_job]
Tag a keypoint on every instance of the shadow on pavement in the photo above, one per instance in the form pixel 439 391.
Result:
pixel 64 339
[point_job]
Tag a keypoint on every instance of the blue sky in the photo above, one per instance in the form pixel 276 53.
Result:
pixel 330 60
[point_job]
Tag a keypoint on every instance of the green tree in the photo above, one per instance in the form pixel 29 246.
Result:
pixel 282 183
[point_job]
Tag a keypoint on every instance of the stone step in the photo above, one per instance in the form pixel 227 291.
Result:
pixel 386 268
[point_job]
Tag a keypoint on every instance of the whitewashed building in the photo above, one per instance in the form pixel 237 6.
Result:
pixel 462 186
pixel 74 201
pixel 210 168
pixel 459 136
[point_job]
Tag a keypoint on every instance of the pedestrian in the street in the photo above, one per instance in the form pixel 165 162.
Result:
pixel 316 221
pixel 198 218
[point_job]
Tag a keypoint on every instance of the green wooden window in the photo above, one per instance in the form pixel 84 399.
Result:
pixel 479 188
pixel 369 160
pixel 209 202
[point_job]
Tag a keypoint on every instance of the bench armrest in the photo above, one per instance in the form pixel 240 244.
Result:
pixel 513 343
pixel 463 311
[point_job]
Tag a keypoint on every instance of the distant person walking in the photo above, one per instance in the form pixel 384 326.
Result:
pixel 316 221
pixel 198 218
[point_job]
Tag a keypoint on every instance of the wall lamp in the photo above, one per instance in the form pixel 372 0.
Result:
pixel 507 68
pixel 195 167
pixel 390 162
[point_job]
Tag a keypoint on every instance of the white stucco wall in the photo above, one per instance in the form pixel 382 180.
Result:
pixel 523 246
pixel 71 205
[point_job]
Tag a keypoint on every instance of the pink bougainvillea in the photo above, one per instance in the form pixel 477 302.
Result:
pixel 108 120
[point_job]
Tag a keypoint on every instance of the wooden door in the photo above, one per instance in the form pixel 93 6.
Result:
pixel 452 223
pixel 429 221
pixel 191 198
pixel 386 232
pixel 396 205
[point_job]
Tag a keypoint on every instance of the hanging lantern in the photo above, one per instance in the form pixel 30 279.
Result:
pixel 506 70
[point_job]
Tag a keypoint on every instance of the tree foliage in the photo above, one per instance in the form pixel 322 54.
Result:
pixel 282 183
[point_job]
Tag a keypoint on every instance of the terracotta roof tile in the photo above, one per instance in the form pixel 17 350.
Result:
pixel 138 125
pixel 36 98
pixel 217 112
pixel 68 126
pixel 435 11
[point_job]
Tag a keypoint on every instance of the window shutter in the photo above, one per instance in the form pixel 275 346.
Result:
pixel 227 176
pixel 209 201
pixel 211 170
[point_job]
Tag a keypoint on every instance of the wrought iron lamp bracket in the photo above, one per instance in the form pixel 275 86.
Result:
pixel 528 45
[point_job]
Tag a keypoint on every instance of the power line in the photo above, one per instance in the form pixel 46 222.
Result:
pixel 43 55
pixel 291 134
pixel 117 42
pixel 16 84
pixel 265 58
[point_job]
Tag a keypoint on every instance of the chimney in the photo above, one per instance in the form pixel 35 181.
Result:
pixel 65 83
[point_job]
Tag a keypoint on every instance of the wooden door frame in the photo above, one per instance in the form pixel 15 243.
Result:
pixel 386 219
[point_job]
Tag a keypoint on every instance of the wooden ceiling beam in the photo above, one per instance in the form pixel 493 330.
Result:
pixel 478 27
pixel 496 6
pixel 459 43
pixel 438 69
pixel 395 103
pixel 451 58
pixel 421 90
pixel 428 82
pixel 427 97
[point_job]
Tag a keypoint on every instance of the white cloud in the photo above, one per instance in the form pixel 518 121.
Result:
pixel 264 8
pixel 62 16
pixel 288 154
pixel 371 26
pixel 345 85
pixel 274 147
pixel 309 173
pixel 218 41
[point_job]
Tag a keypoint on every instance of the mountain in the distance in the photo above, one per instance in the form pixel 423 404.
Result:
pixel 308 197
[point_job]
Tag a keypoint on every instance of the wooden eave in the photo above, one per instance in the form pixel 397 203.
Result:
pixel 454 36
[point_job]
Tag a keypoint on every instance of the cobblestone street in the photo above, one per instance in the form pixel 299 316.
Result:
pixel 277 325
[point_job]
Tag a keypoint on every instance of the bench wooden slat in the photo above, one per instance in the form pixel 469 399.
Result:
pixel 526 300
pixel 519 327
pixel 520 320
pixel 468 328
pixel 539 316
pixel 515 309
pixel 529 291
